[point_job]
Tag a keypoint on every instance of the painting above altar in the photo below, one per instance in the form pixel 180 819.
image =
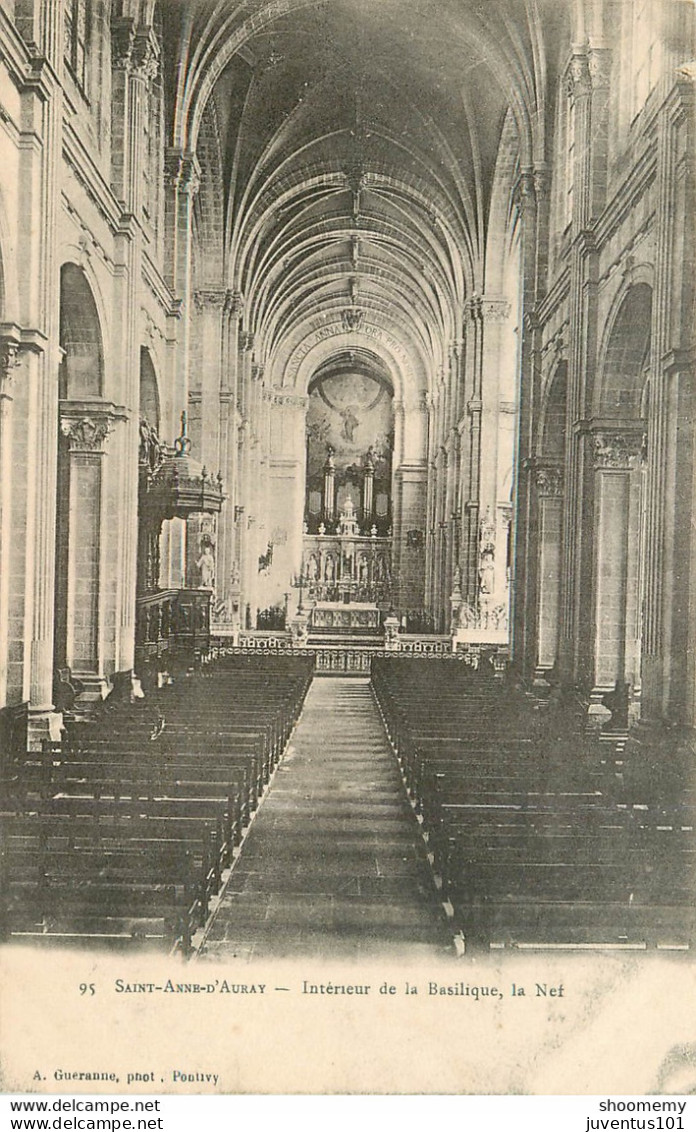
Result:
pixel 350 435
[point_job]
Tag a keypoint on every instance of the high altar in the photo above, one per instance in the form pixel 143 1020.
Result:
pixel 346 576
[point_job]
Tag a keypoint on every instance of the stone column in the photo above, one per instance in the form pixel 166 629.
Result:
pixel 523 596
pixel 549 484
pixel 617 455
pixel 37 251
pixel 134 58
pixel 670 564
pixel 9 361
pixel 228 562
pixel 576 660
pixel 85 519
pixel 182 181
pixel 329 501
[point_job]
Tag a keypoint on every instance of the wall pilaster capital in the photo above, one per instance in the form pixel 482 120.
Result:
pixel 209 298
pixel 86 426
pixel 234 304
pixel 549 480
pixel 579 79
pixel 182 171
pixel 618 449
pixel 122 42
pixel 9 360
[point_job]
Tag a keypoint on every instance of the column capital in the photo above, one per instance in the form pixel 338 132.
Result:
pixel 9 360
pixel 487 308
pixel 234 304
pixel 578 77
pixel 525 192
pixel 86 425
pixel 210 298
pixel 182 171
pixel 122 42
pixel 549 480
pixel 619 449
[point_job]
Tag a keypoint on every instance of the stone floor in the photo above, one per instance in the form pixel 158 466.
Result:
pixel 334 865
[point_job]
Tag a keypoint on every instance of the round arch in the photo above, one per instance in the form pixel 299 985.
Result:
pixel 82 365
pixel 149 390
pixel 625 352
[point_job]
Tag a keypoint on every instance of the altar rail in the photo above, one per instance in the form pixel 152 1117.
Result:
pixel 342 660
pixel 421 644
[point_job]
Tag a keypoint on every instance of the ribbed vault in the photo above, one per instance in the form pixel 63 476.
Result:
pixel 359 143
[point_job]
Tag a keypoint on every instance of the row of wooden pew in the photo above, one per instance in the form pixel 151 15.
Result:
pixel 534 841
pixel 121 833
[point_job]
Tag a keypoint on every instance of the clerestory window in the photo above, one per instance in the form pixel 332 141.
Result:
pixel 77 27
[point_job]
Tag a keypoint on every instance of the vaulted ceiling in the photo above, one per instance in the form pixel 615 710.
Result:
pixel 349 149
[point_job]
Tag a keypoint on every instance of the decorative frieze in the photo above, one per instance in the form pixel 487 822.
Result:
pixel 280 397
pixel 620 450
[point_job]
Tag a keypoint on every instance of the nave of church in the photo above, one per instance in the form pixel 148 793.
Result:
pixel 347 474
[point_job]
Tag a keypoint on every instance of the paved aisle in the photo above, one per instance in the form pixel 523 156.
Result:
pixel 334 865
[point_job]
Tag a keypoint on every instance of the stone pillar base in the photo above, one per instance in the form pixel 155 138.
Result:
pixel 299 629
pixel 597 714
pixel 43 724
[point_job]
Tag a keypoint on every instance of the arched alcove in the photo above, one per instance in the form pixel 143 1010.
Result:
pixel 626 354
pixel 149 391
pixel 82 367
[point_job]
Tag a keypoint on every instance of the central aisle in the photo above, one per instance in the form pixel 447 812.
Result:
pixel 334 865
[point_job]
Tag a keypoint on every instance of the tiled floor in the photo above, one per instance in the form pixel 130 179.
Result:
pixel 334 865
